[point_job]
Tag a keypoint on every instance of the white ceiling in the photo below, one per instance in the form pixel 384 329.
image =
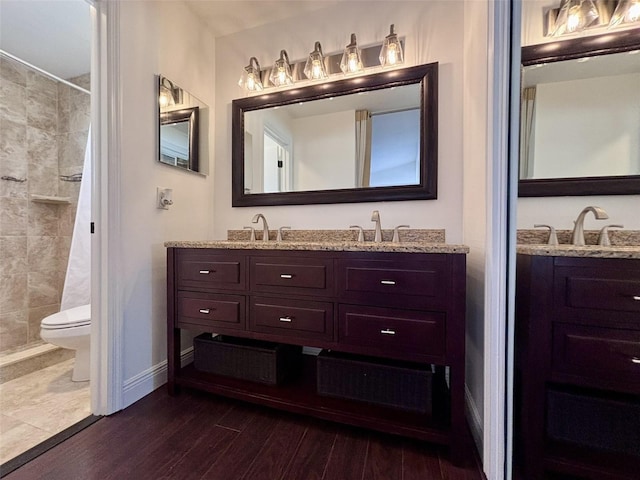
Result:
pixel 231 16
pixel 52 35
pixel 55 35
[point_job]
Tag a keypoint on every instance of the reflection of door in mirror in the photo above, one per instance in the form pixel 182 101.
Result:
pixel 277 164
pixel 580 118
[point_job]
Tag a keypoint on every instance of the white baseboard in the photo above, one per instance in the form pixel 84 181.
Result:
pixel 146 382
pixel 473 416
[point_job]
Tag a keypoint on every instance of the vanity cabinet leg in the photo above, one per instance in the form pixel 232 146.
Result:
pixel 173 359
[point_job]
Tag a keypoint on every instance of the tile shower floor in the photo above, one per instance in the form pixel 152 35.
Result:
pixel 38 405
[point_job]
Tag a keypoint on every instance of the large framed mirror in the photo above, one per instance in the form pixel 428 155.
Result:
pixel 370 138
pixel 182 128
pixel 580 127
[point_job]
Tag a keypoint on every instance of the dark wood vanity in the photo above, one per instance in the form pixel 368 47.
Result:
pixel 338 300
pixel 577 367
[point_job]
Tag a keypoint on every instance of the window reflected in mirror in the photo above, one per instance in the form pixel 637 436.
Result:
pixel 183 128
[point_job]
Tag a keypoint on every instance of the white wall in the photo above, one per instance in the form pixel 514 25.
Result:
pixel 432 33
pixel 156 37
pixel 313 167
pixel 569 143
pixel 561 211
pixel 475 121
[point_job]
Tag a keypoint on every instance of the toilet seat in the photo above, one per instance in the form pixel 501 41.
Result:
pixel 71 318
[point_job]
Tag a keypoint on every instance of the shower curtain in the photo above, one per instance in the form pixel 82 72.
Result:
pixel 77 282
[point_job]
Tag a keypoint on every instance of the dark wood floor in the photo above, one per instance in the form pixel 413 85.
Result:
pixel 200 436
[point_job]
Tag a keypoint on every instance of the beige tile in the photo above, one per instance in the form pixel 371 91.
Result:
pixel 13 294
pixel 64 245
pixel 13 102
pixel 43 219
pixel 13 216
pixel 44 355
pixel 42 148
pixel 13 330
pixel 35 319
pixel 83 81
pixel 42 111
pixel 13 71
pixel 46 399
pixel 67 217
pixel 70 189
pixel 42 401
pixel 42 254
pixel 18 437
pixel 41 84
pixel 13 255
pixel 44 288
pixel 71 148
pixel 43 180
pixel 80 113
pixel 13 148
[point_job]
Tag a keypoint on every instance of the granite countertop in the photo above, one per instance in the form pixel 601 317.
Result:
pixel 591 251
pixel 330 246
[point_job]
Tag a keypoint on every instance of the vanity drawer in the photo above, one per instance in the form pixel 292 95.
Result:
pixel 395 282
pixel 295 318
pixel 602 295
pixel 599 357
pixel 402 333
pixel 210 271
pixel 297 275
pixel 211 310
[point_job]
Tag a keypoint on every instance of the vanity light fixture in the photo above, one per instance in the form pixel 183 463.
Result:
pixel 391 51
pixel 250 78
pixel 351 59
pixel 627 11
pixel 281 73
pixel 574 16
pixel 169 94
pixel 315 69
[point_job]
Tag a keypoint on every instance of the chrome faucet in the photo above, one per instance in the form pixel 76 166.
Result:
pixel 375 217
pixel 577 237
pixel 265 229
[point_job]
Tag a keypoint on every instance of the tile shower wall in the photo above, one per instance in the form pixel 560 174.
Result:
pixel 43 134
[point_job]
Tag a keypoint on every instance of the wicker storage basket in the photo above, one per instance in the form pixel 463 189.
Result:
pixel 401 385
pixel 247 359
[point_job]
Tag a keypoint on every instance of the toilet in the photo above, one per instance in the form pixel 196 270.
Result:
pixel 71 329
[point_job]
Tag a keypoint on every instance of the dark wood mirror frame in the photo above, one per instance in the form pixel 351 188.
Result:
pixel 426 75
pixel 604 44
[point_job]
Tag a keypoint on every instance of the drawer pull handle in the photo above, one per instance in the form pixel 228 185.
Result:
pixel 636 298
pixel 388 332
pixel 286 275
pixel 286 319
pixel 387 282
pixel 204 272
pixel 635 360
pixel 206 311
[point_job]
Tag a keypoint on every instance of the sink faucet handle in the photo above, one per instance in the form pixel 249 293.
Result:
pixel 252 235
pixel 603 237
pixel 396 233
pixel 280 238
pixel 553 238
pixel 360 232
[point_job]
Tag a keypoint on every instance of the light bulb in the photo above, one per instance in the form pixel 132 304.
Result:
pixel 316 70
pixel 573 19
pixel 164 100
pixel 634 12
pixel 251 83
pixel 392 56
pixel 353 63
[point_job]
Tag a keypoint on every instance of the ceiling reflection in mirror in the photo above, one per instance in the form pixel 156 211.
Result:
pixel 370 139
pixel 183 128
pixel 581 118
